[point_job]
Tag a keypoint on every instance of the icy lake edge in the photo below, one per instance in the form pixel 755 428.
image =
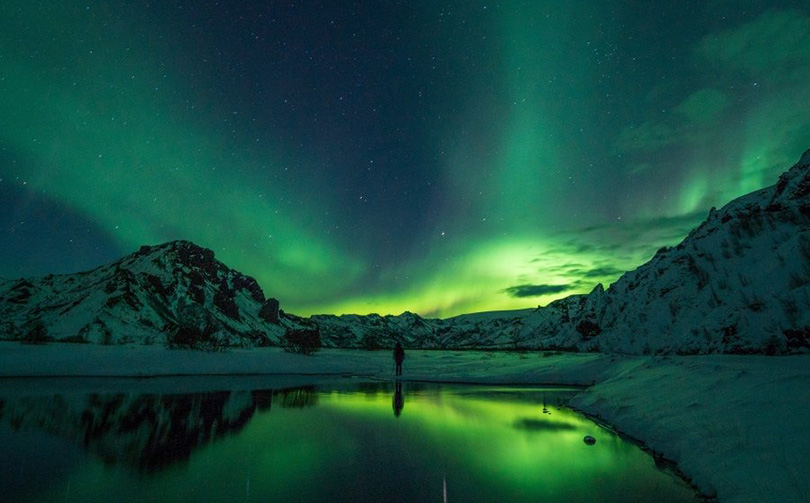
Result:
pixel 733 424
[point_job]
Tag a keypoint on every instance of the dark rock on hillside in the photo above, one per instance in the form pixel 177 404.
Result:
pixel 270 311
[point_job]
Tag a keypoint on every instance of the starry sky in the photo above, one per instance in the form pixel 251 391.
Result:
pixel 439 157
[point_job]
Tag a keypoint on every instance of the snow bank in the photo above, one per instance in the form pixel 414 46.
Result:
pixel 736 425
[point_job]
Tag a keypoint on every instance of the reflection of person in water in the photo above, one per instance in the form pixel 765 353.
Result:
pixel 399 355
pixel 399 399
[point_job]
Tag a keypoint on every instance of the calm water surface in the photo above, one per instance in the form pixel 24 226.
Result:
pixel 337 442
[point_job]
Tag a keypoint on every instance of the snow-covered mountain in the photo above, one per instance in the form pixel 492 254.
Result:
pixel 175 293
pixel 482 330
pixel 178 294
pixel 739 283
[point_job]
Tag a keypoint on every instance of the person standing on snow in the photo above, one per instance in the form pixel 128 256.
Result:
pixel 399 355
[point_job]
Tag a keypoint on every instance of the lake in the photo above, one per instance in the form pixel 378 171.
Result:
pixel 339 440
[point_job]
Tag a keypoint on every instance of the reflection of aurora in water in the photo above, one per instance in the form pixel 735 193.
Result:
pixel 482 444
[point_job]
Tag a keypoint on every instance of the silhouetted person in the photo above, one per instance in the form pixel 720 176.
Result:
pixel 399 399
pixel 399 355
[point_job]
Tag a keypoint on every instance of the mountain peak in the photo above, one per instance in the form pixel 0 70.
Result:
pixel 179 255
pixel 185 249
pixel 150 295
pixel 794 184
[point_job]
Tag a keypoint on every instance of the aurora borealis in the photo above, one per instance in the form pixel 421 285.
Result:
pixel 437 157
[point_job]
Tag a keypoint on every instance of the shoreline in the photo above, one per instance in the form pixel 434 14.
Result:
pixel 735 426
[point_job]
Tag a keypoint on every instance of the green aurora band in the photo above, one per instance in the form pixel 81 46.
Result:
pixel 583 144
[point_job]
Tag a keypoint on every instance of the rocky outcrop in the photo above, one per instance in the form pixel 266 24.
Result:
pixel 270 311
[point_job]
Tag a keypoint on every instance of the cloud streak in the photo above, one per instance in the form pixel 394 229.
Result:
pixel 521 291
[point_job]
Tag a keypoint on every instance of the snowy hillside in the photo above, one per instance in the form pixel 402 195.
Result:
pixel 481 330
pixel 739 283
pixel 167 294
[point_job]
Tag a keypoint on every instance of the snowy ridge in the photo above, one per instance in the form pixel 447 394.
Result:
pixel 147 297
pixel 739 283
pixel 498 330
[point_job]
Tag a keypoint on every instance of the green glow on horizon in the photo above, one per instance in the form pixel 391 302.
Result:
pixel 476 280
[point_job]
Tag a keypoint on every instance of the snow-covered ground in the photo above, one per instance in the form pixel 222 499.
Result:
pixel 736 425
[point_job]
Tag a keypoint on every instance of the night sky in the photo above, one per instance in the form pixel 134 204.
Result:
pixel 436 157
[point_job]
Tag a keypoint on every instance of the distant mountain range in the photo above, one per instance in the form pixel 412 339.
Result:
pixel 739 283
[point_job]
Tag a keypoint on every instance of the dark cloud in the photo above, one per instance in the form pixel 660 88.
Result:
pixel 520 291
pixel 600 272
pixel 567 269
